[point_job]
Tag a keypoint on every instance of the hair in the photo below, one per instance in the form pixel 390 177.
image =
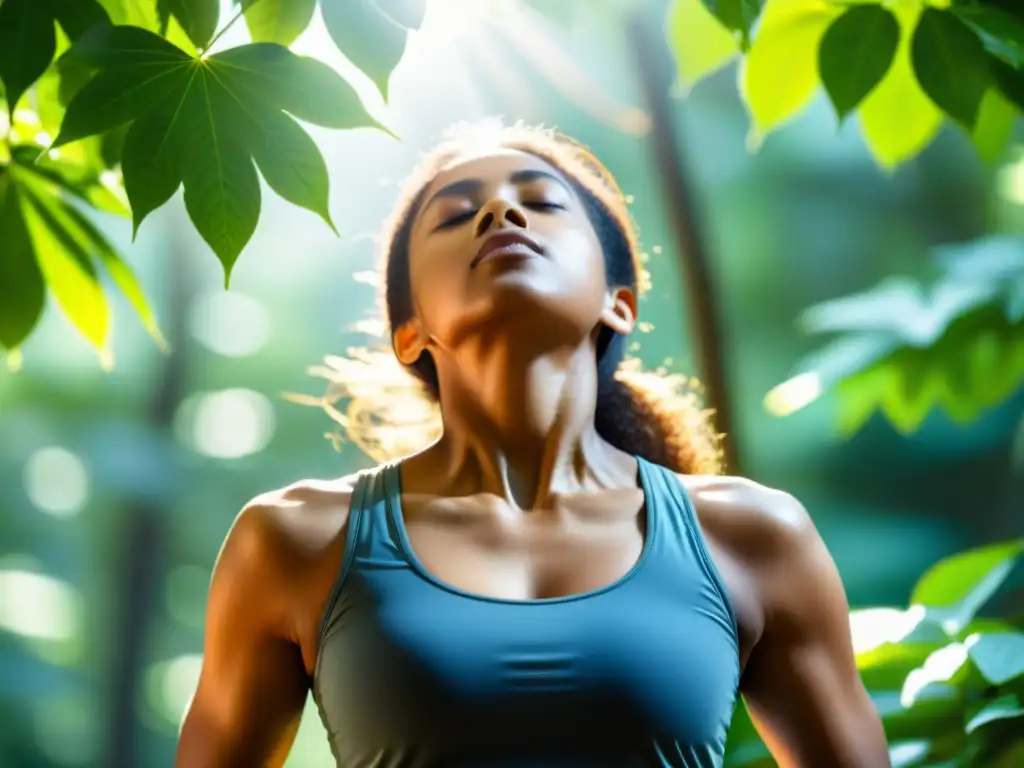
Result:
pixel 654 414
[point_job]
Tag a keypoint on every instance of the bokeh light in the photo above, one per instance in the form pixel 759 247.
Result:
pixel 56 481
pixel 227 424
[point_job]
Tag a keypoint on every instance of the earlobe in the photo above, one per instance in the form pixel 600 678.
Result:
pixel 408 342
pixel 620 311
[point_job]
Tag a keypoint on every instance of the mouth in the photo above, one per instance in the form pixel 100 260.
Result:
pixel 506 244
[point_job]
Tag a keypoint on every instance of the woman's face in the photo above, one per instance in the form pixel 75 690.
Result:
pixel 503 243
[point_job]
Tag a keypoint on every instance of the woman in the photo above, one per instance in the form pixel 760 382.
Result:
pixel 559 579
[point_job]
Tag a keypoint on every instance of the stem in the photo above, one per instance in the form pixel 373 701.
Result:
pixel 698 284
pixel 231 22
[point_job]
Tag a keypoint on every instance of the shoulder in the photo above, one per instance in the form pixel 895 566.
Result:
pixel 771 539
pixel 297 520
pixel 755 521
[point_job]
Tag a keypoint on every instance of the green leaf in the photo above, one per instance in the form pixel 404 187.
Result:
pixel 277 21
pixel 202 122
pixel 198 18
pixel 779 75
pixel 951 65
pixel 291 163
pixel 1001 32
pixel 994 128
pixel 1009 81
pixel 93 241
pixel 222 190
pixel 136 13
pixel 856 53
pixel 22 292
pixel 77 180
pixel 367 37
pixel 738 15
pixel 999 657
pixel 700 43
pixel 897 119
pixel 960 585
pixel 78 16
pixel 305 88
pixel 27 45
pixel 1004 708
pixel 151 161
pixel 66 266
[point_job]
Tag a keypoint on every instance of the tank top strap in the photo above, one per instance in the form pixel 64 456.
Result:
pixel 370 542
pixel 680 539
pixel 374 540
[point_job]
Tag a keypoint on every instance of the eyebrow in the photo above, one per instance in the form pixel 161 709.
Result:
pixel 471 187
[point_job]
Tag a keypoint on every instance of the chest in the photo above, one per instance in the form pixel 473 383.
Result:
pixel 619 669
pixel 491 551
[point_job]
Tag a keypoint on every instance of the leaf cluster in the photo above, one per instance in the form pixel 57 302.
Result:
pixel 115 105
pixel 904 348
pixel 903 67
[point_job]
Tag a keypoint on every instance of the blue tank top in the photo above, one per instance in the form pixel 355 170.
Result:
pixel 413 672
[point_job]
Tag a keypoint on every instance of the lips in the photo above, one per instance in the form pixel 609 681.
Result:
pixel 505 240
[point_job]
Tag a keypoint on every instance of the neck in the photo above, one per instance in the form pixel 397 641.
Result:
pixel 520 427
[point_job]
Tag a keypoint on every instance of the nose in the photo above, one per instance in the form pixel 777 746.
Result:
pixel 498 214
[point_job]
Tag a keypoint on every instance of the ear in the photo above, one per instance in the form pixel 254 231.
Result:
pixel 409 341
pixel 619 311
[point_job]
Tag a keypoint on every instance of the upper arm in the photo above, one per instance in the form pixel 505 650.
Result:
pixel 801 683
pixel 253 684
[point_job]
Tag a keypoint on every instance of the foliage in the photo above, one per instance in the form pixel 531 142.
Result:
pixel 905 349
pixel 901 65
pixel 138 94
pixel 141 103
pixel 949 684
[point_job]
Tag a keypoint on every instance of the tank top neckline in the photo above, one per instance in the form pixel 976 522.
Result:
pixel 393 500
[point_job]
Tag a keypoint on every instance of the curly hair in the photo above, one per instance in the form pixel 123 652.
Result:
pixel 388 413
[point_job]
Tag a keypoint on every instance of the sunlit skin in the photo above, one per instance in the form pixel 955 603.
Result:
pixel 521 498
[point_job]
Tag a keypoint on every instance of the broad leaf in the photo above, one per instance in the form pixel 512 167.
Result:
pixel 779 75
pixel 999 657
pixel 960 585
pixel 202 122
pixel 277 21
pixel 22 293
pixel 76 179
pixel 27 45
pixel 1001 32
pixel 700 43
pixel 1009 81
pixel 737 15
pixel 198 18
pixel 951 64
pixel 369 37
pixel 994 127
pixel 67 245
pixel 1004 708
pixel 897 119
pixel 67 267
pixel 856 53
pixel 93 241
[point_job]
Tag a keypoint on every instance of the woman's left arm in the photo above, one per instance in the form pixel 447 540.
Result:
pixel 801 683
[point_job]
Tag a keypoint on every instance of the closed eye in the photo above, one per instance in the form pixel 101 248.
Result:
pixel 541 205
pixel 454 221
pixel 461 218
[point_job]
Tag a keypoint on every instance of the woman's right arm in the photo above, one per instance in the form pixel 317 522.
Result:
pixel 253 685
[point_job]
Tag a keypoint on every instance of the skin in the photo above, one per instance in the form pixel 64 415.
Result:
pixel 521 498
